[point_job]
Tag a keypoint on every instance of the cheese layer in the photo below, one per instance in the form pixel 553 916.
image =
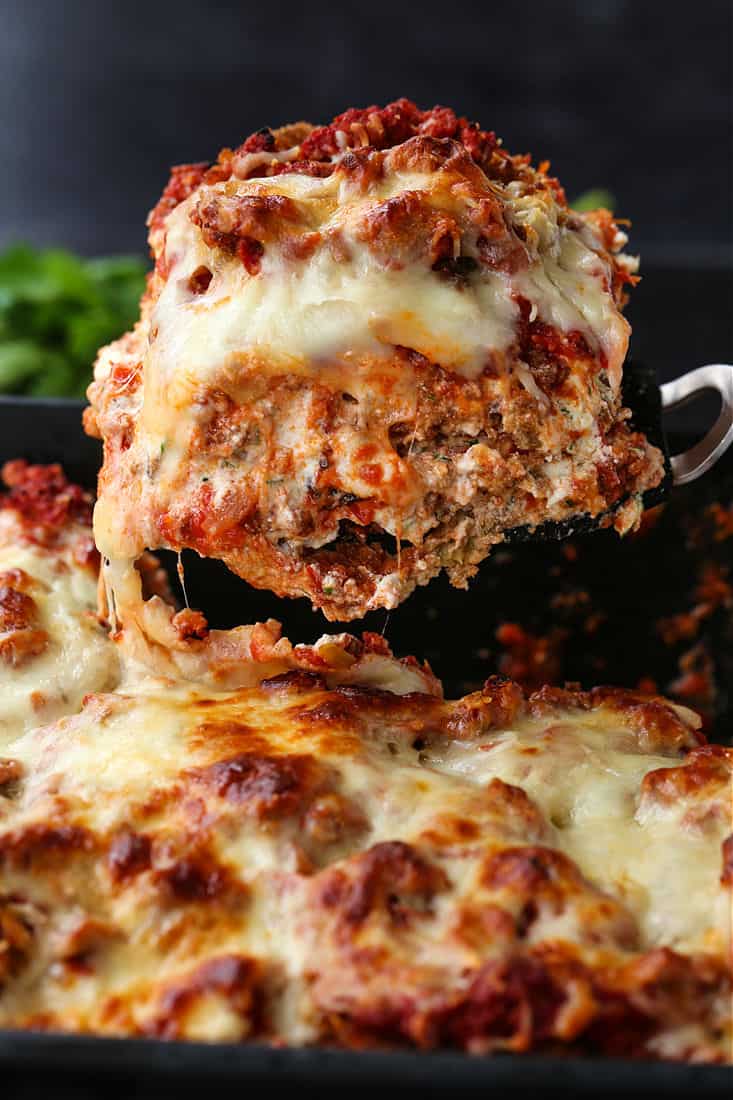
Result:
pixel 313 863
pixel 53 647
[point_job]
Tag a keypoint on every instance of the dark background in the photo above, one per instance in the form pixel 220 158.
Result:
pixel 98 99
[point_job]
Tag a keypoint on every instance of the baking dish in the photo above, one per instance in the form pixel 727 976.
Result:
pixel 45 431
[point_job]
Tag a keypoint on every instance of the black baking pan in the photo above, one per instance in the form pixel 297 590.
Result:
pixel 116 1068
pixel 628 585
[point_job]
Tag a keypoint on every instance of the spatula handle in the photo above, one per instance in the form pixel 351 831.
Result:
pixel 693 463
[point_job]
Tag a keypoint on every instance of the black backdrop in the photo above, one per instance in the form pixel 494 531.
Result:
pixel 98 98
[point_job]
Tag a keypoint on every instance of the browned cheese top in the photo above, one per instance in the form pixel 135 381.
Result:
pixel 314 859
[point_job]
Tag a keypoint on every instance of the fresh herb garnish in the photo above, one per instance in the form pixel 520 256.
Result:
pixel 56 310
pixel 593 199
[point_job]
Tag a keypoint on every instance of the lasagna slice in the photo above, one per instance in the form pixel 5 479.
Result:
pixel 366 351
pixel 53 649
pixel 317 860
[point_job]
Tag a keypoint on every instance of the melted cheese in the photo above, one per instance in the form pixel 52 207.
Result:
pixel 78 656
pixel 566 289
pixel 311 311
pixel 296 315
pixel 194 852
pixel 588 781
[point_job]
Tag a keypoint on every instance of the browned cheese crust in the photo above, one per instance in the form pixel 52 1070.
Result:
pixel 310 860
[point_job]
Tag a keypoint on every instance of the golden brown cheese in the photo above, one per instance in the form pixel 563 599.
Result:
pixel 53 649
pixel 366 352
pixel 311 860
